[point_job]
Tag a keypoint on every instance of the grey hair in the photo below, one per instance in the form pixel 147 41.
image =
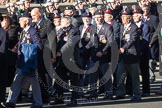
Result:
pixel 68 19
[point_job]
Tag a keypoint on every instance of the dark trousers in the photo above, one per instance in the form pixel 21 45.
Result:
pixel 42 78
pixel 3 78
pixel 61 74
pixel 144 66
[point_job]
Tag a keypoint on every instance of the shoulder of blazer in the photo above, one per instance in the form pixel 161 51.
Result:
pixel 81 27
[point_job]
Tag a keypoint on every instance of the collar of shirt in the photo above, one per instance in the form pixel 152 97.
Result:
pixel 127 26
pixel 26 28
pixel 139 24
pixel 39 22
pixel 83 30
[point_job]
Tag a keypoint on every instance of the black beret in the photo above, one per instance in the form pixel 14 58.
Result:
pixel 127 11
pixel 109 11
pixel 56 15
pixel 92 5
pixel 99 12
pixel 87 14
pixel 137 10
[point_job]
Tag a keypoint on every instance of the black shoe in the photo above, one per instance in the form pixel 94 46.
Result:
pixel 8 104
pixel 36 106
pixel 57 101
pixel 92 96
pixel 145 94
pixel 136 98
pixel 118 97
pixel 45 101
pixel 152 79
pixel 108 97
pixel 73 103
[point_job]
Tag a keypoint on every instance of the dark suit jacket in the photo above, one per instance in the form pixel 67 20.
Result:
pixel 47 34
pixel 143 31
pixel 131 45
pixel 3 41
pixel 73 37
pixel 116 29
pixel 158 37
pixel 106 31
pixel 152 21
pixel 92 31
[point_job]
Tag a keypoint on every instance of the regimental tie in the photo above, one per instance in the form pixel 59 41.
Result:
pixel 98 29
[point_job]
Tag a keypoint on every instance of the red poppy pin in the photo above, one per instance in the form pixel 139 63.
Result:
pixel 129 28
pixel 88 29
pixel 38 27
pixel 148 19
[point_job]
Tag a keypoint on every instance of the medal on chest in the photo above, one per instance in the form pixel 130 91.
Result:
pixel 102 39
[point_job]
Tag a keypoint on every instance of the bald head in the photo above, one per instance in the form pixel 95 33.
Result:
pixel 36 14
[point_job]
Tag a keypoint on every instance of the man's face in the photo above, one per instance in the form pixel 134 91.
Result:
pixel 92 10
pixel 136 17
pixel 50 9
pixel 64 23
pixel 22 6
pixel 98 19
pixel 146 10
pixel 86 20
pixel 27 4
pixel 56 5
pixel 12 8
pixel 126 19
pixel 35 16
pixel 57 21
pixel 68 12
pixel 22 22
pixel 108 17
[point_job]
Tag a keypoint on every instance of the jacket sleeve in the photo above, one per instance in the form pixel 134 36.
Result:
pixel 109 35
pixel 51 36
pixel 36 39
pixel 72 39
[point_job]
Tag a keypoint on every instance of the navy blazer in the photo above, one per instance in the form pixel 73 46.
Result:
pixel 92 31
pixel 106 31
pixel 152 22
pixel 144 33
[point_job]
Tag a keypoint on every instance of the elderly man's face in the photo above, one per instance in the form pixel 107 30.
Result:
pixel 98 19
pixel 64 23
pixel 146 10
pixel 108 17
pixel 86 20
pixel 126 19
pixel 57 21
pixel 23 22
pixel 35 16
pixel 137 17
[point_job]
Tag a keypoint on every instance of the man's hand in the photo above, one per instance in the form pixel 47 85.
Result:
pixel 58 54
pixel 99 54
pixel 121 50
pixel 53 60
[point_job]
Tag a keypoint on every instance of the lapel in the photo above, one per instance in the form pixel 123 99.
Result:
pixel 121 30
pixel 83 30
pixel 101 30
